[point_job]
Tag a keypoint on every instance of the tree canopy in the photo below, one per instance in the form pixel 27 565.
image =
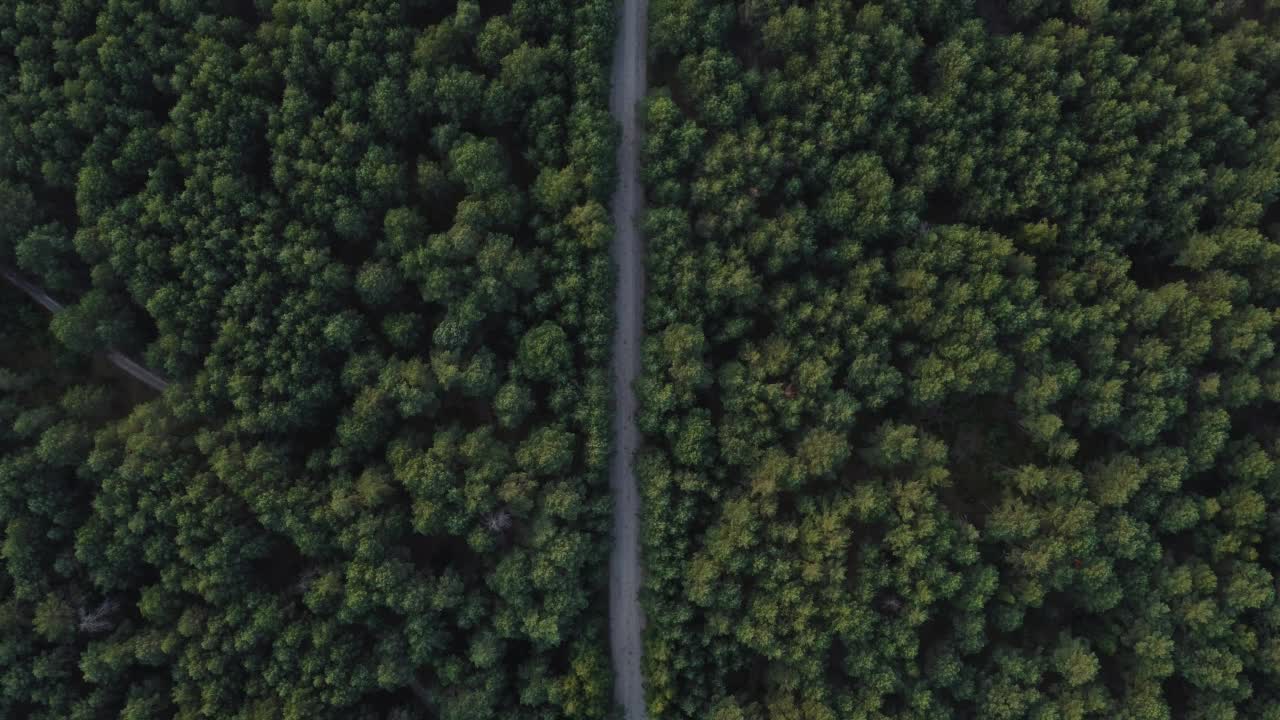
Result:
pixel 367 241
pixel 960 379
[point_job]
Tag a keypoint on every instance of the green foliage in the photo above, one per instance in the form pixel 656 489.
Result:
pixel 367 241
pixel 959 379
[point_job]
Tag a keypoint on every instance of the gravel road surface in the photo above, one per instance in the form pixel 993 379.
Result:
pixel 625 619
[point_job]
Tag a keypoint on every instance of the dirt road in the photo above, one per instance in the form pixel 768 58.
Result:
pixel 139 373
pixel 625 619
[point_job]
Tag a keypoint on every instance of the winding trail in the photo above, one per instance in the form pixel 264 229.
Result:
pixel 138 372
pixel 625 618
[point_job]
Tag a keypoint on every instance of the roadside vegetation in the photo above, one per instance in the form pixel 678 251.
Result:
pixel 960 381
pixel 367 242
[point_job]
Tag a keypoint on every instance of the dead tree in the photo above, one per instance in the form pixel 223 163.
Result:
pixel 498 521
pixel 99 620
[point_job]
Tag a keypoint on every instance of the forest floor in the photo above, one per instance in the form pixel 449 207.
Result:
pixel 625 618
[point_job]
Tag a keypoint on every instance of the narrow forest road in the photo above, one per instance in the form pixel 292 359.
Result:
pixel 625 619
pixel 139 373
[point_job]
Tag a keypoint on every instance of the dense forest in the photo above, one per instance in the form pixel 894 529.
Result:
pixel 961 392
pixel 366 241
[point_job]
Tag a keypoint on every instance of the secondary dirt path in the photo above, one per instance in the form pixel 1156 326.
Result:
pixel 625 619
pixel 139 373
